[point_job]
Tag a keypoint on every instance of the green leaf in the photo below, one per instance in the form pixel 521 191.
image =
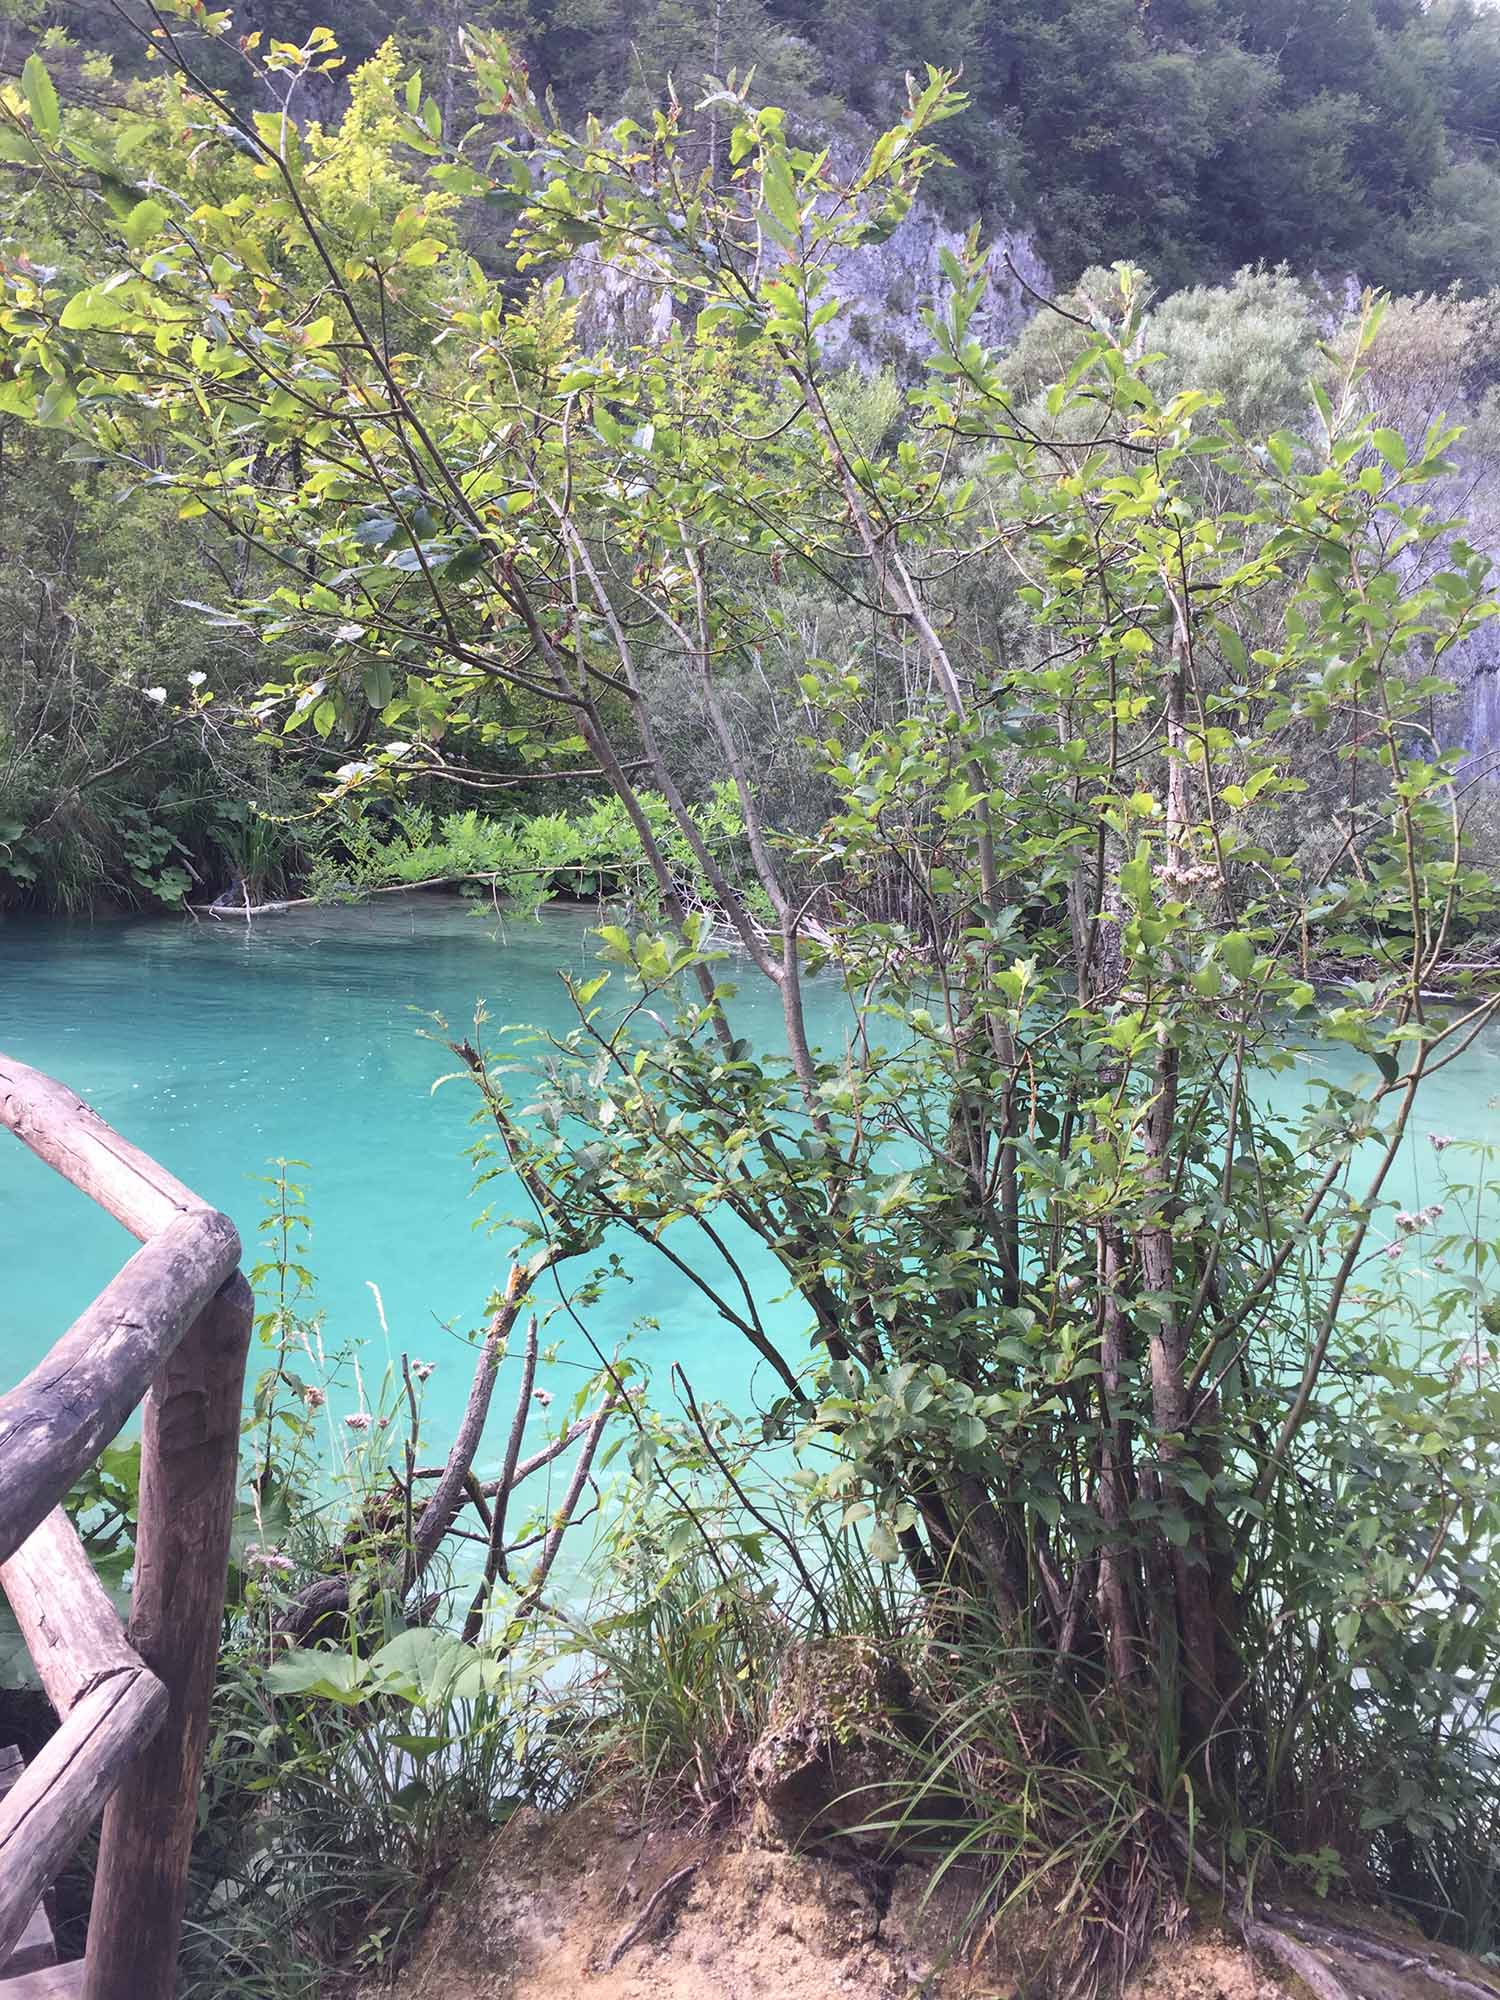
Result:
pixel 41 97
pixel 377 679
pixel 375 532
pixel 143 222
pixel 1238 954
pixel 882 1544
pixel 1392 448
pixel 465 562
pixel 781 195
pixel 332 1676
pixel 95 307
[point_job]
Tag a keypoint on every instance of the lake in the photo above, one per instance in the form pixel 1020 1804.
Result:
pixel 219 1046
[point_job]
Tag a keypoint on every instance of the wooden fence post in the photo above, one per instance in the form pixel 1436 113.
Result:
pixel 189 1474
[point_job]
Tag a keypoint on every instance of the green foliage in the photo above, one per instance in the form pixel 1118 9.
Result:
pixel 1094 1353
pixel 1194 138
pixel 339 1792
pixel 528 858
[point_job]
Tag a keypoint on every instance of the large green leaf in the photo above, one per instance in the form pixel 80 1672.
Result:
pixel 41 97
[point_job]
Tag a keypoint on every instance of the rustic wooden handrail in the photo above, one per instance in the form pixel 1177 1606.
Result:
pixel 75 1141
pixel 60 1794
pixel 71 1629
pixel 74 1403
pixel 174 1326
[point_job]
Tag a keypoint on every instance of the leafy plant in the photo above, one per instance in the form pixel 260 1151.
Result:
pixel 1091 1337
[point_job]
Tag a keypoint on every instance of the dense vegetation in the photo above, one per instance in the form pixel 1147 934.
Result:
pixel 1197 140
pixel 1073 703
pixel 1192 136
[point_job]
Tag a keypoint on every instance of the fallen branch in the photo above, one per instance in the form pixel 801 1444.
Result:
pixel 1416 1957
pixel 247 909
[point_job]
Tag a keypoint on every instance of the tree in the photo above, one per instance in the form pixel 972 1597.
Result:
pixel 1095 1345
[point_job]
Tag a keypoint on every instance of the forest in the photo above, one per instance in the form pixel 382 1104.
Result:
pixel 963 547
pixel 1248 163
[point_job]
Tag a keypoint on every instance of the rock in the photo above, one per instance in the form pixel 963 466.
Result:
pixel 833 1756
pixel 883 289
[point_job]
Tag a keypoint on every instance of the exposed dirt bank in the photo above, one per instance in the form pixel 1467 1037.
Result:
pixel 577 1910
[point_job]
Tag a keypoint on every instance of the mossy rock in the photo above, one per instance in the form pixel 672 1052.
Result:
pixel 834 1757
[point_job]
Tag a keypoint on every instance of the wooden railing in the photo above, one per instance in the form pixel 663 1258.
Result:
pixel 173 1329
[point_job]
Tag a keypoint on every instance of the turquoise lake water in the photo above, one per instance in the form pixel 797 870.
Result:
pixel 219 1046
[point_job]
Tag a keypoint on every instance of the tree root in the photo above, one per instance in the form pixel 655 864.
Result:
pixel 656 1903
pixel 1333 1958
pixel 1317 1977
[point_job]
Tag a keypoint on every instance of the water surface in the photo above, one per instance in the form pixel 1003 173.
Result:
pixel 220 1046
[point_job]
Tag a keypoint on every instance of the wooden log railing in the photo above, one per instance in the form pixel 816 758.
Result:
pixel 172 1328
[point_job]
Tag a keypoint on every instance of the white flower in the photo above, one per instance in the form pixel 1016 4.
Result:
pixel 157 695
pixel 1393 1250
pixel 196 680
pixel 349 774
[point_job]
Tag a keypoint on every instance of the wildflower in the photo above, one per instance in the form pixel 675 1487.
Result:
pixel 260 1558
pixel 196 679
pixel 358 1420
pixel 313 1398
pixel 1440 1140
pixel 158 695
pixel 1406 1222
pixel 422 1369
pixel 1393 1251
pixel 544 1397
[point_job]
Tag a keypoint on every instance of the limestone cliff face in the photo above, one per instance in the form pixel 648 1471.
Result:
pixel 883 288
